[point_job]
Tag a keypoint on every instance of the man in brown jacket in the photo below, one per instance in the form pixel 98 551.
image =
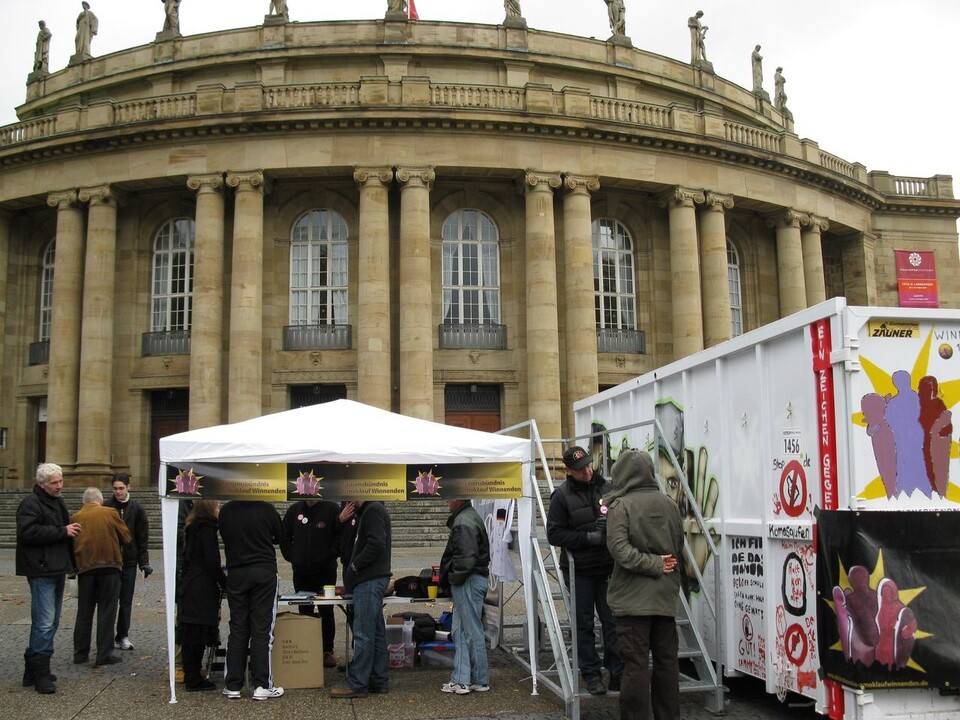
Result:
pixel 99 561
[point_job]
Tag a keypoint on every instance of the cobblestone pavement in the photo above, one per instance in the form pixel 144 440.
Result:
pixel 138 687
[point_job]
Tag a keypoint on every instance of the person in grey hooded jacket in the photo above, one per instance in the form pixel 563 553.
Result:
pixel 645 539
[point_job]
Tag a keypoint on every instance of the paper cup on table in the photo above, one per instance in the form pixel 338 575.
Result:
pixel 329 591
pixel 432 592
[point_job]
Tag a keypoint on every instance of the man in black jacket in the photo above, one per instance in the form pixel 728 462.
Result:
pixel 366 577
pixel 574 523
pixel 45 556
pixel 250 529
pixel 135 553
pixel 311 544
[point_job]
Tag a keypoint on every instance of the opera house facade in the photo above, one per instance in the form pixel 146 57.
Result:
pixel 474 224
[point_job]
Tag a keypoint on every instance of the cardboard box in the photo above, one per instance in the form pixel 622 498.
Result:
pixel 298 651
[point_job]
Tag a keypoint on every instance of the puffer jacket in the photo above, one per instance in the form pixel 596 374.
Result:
pixel 468 548
pixel 642 525
pixel 574 509
pixel 43 547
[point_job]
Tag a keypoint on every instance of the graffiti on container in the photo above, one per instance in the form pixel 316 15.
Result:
pixel 747 579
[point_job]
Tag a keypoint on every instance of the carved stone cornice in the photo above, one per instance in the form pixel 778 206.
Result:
pixel 372 176
pixel 580 184
pixel 206 183
pixel 63 199
pixel 788 218
pixel 100 195
pixel 680 196
pixel 541 181
pixel 416 177
pixel 251 180
pixel 717 202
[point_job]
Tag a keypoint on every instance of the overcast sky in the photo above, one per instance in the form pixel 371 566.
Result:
pixel 872 81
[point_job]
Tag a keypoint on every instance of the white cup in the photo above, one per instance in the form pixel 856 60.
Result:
pixel 329 591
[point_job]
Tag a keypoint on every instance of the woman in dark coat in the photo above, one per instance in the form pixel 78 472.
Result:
pixel 201 581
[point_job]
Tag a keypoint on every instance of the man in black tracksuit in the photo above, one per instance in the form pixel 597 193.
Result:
pixel 250 530
pixel 311 544
pixel 572 524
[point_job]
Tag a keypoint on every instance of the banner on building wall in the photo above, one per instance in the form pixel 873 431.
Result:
pixel 279 482
pixel 889 598
pixel 917 279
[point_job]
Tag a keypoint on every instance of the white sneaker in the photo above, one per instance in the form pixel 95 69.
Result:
pixel 452 687
pixel 231 694
pixel 262 693
pixel 124 643
pixel 479 688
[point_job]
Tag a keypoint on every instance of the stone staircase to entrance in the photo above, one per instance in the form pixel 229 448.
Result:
pixel 415 523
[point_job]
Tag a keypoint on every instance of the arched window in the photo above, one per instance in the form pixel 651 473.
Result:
pixel 471 269
pixel 173 276
pixel 46 291
pixel 733 282
pixel 614 288
pixel 318 269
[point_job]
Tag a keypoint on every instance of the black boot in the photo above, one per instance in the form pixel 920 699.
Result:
pixel 43 682
pixel 28 671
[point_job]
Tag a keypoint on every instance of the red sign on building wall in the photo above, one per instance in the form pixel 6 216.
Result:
pixel 917 279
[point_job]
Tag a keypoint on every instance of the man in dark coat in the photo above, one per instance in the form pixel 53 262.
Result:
pixel 45 556
pixel 311 544
pixel 575 523
pixel 135 553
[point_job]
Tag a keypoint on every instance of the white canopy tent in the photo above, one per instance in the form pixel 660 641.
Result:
pixel 342 431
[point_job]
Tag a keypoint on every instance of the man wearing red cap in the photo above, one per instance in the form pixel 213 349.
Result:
pixel 576 523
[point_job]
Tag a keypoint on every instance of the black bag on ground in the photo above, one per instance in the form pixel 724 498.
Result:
pixel 424 625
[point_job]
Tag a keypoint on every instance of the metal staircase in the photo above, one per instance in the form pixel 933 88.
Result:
pixel 551 656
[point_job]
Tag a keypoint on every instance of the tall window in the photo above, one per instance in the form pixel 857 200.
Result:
pixel 46 291
pixel 173 275
pixel 318 269
pixel 471 269
pixel 616 301
pixel 733 282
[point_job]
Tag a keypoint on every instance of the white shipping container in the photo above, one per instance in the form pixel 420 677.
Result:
pixel 771 425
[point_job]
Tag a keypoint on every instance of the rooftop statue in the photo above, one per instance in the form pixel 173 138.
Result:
pixel 396 7
pixel 41 56
pixel 780 95
pixel 279 7
pixel 617 14
pixel 698 48
pixel 512 8
pixel 171 20
pixel 756 62
pixel 87 27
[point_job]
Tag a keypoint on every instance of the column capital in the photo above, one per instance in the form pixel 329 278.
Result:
pixel 251 179
pixel 372 176
pixel 580 184
pixel 63 199
pixel 205 183
pixel 416 176
pixel 680 196
pixel 788 218
pixel 717 202
pixel 541 181
pixel 816 223
pixel 99 195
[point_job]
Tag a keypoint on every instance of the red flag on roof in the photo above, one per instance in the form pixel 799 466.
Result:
pixel 412 10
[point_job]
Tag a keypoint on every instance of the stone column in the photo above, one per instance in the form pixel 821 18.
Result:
pixel 685 270
pixel 813 259
pixel 581 320
pixel 793 294
pixel 64 367
pixel 5 220
pixel 245 389
pixel 96 345
pixel 206 325
pixel 416 294
pixel 373 288
pixel 717 317
pixel 543 344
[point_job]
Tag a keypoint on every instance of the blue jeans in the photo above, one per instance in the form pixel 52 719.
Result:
pixel 470 655
pixel 369 666
pixel 46 600
pixel 591 595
